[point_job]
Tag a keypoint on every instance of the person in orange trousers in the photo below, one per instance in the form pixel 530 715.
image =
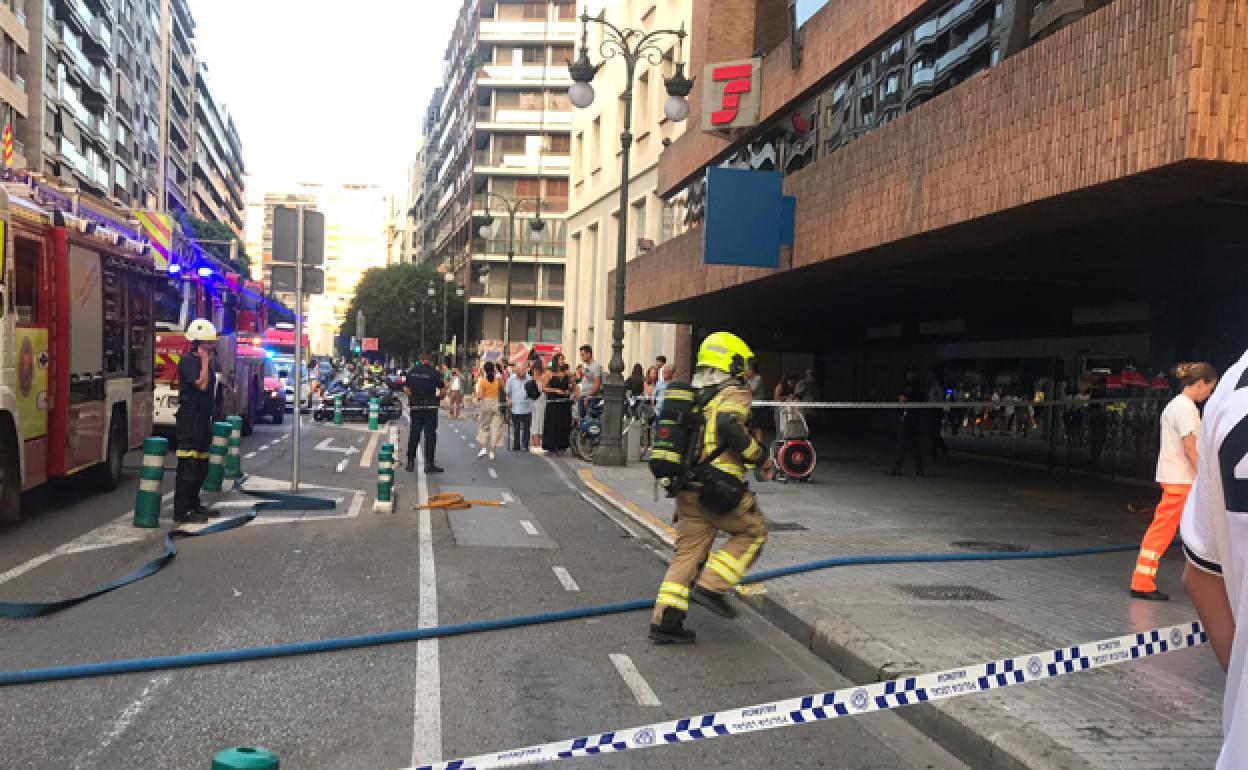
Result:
pixel 1176 470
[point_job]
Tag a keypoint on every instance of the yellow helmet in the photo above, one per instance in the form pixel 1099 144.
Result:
pixel 726 352
pixel 201 330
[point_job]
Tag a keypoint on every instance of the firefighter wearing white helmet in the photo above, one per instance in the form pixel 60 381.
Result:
pixel 193 425
pixel 716 497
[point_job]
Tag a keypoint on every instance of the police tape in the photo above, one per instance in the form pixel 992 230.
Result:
pixel 851 701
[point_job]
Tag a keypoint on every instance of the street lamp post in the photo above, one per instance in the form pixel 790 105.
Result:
pixel 432 293
pixel 463 344
pixel 448 279
pixel 510 207
pixel 634 46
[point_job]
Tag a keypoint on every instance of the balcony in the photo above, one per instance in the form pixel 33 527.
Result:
pixel 98 88
pixel 922 77
pixel 100 37
pixel 527 30
pixel 69 100
pixel 957 14
pixel 496 248
pixel 77 12
pixel 524 74
pixel 70 155
pixel 503 118
pixel 72 49
pixel 499 161
pixel 960 52
pixel 926 32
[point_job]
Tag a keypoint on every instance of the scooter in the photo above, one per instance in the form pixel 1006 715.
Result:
pixel 587 430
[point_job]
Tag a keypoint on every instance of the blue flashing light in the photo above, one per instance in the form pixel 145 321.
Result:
pixel 204 272
pixel 174 268
pixel 268 354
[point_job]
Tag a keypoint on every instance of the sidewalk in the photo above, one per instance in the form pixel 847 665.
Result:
pixel 1160 713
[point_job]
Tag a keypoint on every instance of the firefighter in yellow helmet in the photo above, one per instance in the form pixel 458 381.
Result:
pixel 193 423
pixel 717 496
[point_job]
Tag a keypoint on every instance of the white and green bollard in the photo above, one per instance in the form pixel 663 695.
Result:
pixel 385 480
pixel 216 457
pixel 234 449
pixel 147 503
pixel 374 413
pixel 337 409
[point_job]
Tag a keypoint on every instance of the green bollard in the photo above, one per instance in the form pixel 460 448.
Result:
pixel 147 503
pixel 246 758
pixel 374 413
pixel 337 409
pixel 216 458
pixel 385 482
pixel 234 448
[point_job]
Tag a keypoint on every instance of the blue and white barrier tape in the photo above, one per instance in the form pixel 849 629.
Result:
pixel 853 701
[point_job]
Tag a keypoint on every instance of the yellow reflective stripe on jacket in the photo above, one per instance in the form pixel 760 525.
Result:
pixel 733 400
pixel 729 575
pixel 193 455
pixel 675 588
pixel 674 595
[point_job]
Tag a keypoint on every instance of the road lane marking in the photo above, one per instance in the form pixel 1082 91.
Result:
pixel 130 713
pixel 249 455
pixel 507 498
pixel 119 531
pixel 635 681
pixel 262 448
pixel 528 527
pixel 565 578
pixel 366 459
pixel 427 720
pixel 493 473
pixel 342 466
pixel 559 472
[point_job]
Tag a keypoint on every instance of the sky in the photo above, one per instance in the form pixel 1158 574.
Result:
pixel 324 91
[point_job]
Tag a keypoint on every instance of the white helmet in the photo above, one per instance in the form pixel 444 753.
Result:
pixel 201 330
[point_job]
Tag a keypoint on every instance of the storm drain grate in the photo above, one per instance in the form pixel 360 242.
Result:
pixel 988 546
pixel 785 526
pixel 947 593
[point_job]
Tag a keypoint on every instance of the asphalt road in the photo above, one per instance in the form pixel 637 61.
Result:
pixel 352 571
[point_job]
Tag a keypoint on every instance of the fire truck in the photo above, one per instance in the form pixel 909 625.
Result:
pixel 194 284
pixel 76 338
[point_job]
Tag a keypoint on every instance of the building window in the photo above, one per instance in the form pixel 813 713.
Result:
pixel 552 327
pixel 27 280
pixel 642 102
pixel 595 145
pixel 533 54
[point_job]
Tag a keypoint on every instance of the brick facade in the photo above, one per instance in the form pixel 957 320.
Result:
pixel 1113 113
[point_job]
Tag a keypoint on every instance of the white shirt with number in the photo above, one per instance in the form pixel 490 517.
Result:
pixel 1179 419
pixel 1214 530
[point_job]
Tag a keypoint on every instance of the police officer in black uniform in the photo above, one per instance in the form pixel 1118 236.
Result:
pixel 424 388
pixel 193 423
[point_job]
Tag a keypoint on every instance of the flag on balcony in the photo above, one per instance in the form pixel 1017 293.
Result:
pixel 8 145
pixel 159 230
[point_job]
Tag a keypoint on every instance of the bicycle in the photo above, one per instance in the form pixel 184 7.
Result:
pixel 639 415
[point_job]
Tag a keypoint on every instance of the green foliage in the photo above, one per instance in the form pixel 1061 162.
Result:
pixel 206 230
pixel 387 295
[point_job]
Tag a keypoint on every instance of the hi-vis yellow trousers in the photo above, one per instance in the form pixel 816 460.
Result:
pixel 696 528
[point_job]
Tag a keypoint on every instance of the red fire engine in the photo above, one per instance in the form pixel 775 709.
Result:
pixel 76 338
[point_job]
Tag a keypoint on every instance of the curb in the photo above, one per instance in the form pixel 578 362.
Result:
pixel 982 739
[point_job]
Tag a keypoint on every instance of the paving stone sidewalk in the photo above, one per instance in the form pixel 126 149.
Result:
pixel 1162 712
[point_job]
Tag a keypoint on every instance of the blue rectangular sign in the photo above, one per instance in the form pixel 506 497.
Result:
pixel 744 209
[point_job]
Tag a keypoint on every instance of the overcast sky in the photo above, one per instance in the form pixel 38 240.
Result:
pixel 324 91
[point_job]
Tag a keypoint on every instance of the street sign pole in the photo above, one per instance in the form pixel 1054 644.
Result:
pixel 298 362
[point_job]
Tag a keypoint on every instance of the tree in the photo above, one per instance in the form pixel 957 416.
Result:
pixel 207 230
pixel 387 296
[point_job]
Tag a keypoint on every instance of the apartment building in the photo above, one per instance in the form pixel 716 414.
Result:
pixel 403 228
pixel 177 102
pixel 594 203
pixel 14 49
pixel 307 195
pixel 499 128
pixel 107 97
pixel 217 169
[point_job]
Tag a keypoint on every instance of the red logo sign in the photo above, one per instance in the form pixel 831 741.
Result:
pixel 738 79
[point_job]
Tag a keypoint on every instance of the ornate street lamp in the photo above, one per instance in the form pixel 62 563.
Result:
pixel 634 46
pixel 509 206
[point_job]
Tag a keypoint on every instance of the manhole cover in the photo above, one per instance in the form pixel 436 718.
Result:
pixel 988 546
pixel 785 526
pixel 946 593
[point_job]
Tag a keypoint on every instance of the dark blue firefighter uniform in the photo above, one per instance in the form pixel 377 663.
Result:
pixel 424 382
pixel 192 435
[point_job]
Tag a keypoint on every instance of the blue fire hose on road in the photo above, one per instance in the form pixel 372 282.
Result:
pixel 136 665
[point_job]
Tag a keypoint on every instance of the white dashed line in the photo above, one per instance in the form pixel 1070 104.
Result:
pixel 507 498
pixel 262 448
pixel 342 466
pixel 528 527
pixel 249 455
pixel 125 719
pixel 493 473
pixel 565 578
pixel 633 678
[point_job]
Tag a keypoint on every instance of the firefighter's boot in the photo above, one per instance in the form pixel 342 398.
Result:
pixel 713 601
pixel 671 630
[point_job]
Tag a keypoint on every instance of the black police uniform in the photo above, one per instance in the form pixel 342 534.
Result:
pixel 908 430
pixel 192 435
pixel 424 382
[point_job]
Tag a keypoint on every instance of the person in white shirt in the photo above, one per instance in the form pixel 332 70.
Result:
pixel 1176 470
pixel 1215 541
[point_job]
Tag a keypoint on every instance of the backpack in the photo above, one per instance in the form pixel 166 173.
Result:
pixel 678 436
pixel 532 390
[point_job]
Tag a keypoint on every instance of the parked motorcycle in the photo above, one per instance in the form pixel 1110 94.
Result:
pixel 587 430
